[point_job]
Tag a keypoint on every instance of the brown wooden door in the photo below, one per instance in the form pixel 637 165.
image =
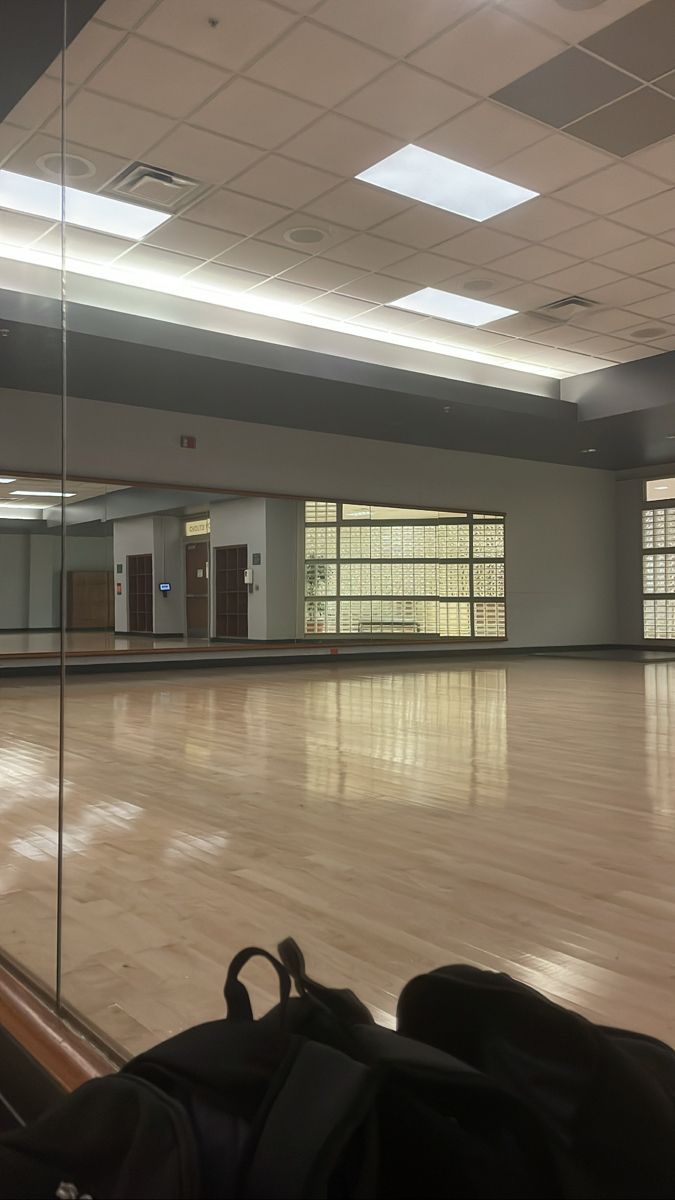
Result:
pixel 231 592
pixel 139 585
pixel 90 600
pixel 197 589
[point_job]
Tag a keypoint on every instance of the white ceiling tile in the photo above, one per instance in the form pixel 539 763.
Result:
pixel 376 288
pixel 283 292
pixel 661 306
pixel 551 163
pixel 264 258
pixel 490 281
pixel 339 144
pixel 481 245
pixel 300 6
pixel 562 336
pixel 593 239
pixel 215 275
pixel 108 124
pixel 202 155
pixel 152 258
pixel 605 320
pixel 19 229
pixel 190 238
pixel 636 352
pixel 390 319
pixel 279 232
pixel 526 297
pixel 85 244
pixel 484 135
pixel 27 161
pixel 255 114
pixel 38 103
pixel 156 77
pixel 604 346
pixel 426 269
pixel 423 226
pixel 240 214
pixel 539 219
pixel 124 14
pixel 471 339
pixel 291 184
pixel 395 26
pixel 522 325
pixel 642 256
pixel 659 159
pixel 368 252
pixel 664 343
pixel 663 275
pixel 244 28
pixel 625 292
pixel 612 188
pixel 320 273
pixel 582 278
pixel 656 215
pixel 573 22
pixel 486 51
pixel 406 103
pixel 11 137
pixel 318 65
pixel 520 348
pixel 92 44
pixel 567 360
pixel 533 262
pixel 342 308
pixel 358 204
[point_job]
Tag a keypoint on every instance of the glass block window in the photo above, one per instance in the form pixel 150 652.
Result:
pixel 658 573
pixel 376 570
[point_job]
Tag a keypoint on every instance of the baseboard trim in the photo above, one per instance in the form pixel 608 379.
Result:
pixel 132 633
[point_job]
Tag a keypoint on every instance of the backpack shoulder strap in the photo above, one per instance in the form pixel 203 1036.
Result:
pixel 323 1099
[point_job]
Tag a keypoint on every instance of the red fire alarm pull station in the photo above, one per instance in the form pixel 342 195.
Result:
pixel 188 442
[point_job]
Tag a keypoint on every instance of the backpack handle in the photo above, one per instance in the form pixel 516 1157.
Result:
pixel 236 994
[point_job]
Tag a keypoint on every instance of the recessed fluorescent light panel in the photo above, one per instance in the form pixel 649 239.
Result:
pixel 7 479
pixel 59 494
pixel 22 193
pixel 434 179
pixel 435 303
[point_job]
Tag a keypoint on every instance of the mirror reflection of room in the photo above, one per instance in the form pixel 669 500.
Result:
pixel 161 569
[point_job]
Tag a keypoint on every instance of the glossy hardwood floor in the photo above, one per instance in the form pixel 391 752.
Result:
pixel 518 815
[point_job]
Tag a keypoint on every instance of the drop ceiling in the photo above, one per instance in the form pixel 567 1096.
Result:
pixel 273 107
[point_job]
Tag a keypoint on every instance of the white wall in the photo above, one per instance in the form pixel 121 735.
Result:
pixel 560 520
pixel 283 564
pixel 133 536
pixel 169 567
pixel 242 523
pixel 30 575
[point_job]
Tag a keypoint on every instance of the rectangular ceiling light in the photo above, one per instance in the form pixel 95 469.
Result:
pixel 434 179
pixel 16 505
pixel 23 193
pixel 59 494
pixel 7 479
pixel 449 307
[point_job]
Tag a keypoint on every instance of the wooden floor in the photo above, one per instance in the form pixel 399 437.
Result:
pixel 517 815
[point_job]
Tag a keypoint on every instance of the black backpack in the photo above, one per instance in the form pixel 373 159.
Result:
pixel 486 1089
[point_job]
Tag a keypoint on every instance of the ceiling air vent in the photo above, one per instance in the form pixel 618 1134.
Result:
pixel 568 307
pixel 154 186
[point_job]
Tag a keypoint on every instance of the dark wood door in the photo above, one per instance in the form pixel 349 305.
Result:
pixel 197 589
pixel 231 592
pixel 139 585
pixel 90 600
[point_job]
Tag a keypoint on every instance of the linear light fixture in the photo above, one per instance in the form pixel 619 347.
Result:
pixel 7 479
pixel 23 193
pixel 18 516
pixel 59 494
pixel 434 302
pixel 444 183
pixel 17 506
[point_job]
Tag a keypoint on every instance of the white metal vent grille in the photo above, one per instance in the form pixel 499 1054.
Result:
pixel 155 186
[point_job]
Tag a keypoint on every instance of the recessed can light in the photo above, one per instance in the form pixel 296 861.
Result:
pixel 434 179
pixel 478 285
pixel 305 235
pixel 73 166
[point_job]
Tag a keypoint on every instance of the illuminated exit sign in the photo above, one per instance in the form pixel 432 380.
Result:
pixel 198 528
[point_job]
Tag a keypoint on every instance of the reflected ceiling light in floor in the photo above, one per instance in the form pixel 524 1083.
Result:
pixel 59 494
pixel 434 179
pixel 434 302
pixel 23 193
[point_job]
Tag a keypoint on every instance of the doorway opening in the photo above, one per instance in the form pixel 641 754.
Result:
pixel 197 589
